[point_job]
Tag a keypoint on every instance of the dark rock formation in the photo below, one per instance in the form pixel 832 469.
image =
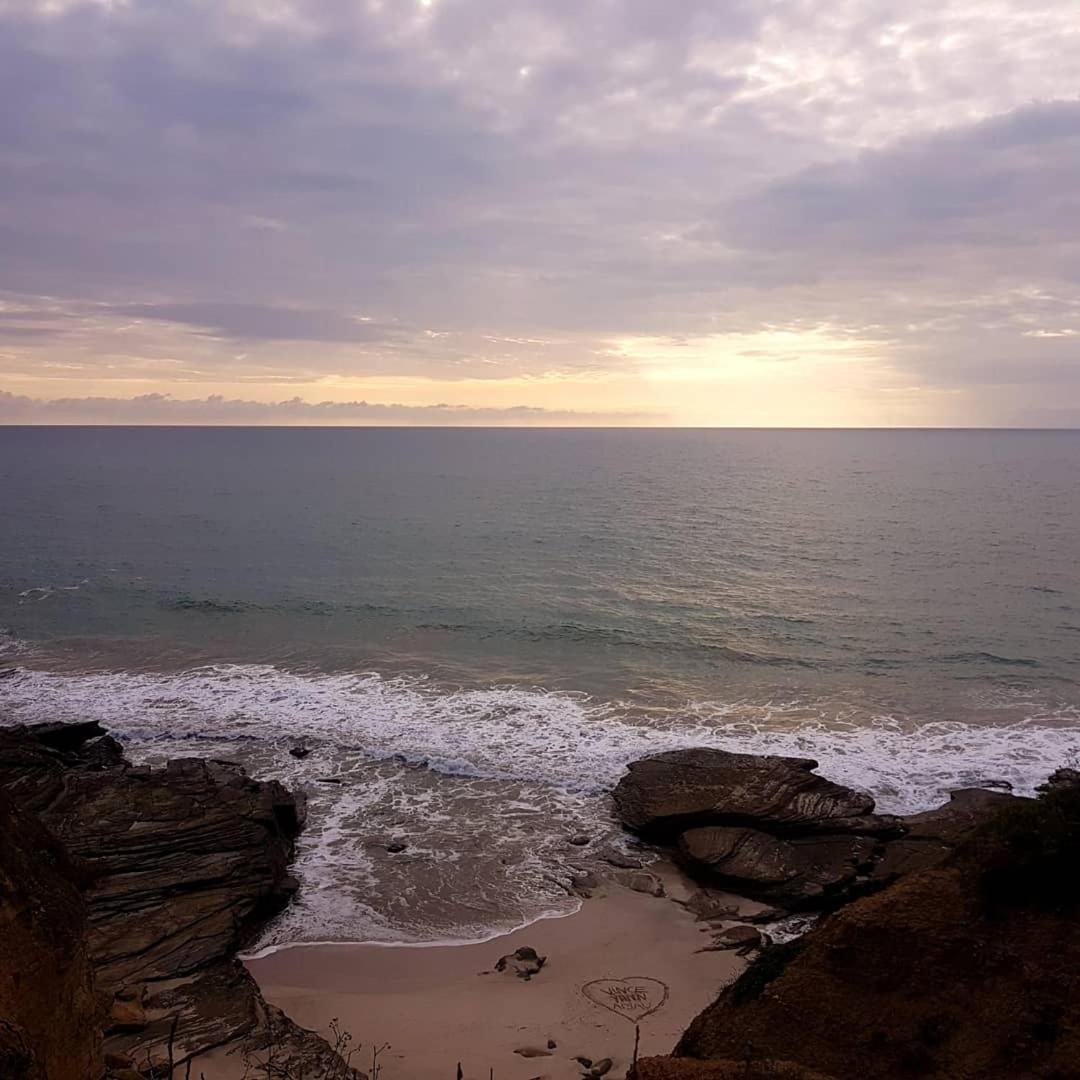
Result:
pixel 180 867
pixel 664 795
pixel 794 870
pixel 524 963
pixel 771 828
pixel 50 1016
pixel 929 838
pixel 963 969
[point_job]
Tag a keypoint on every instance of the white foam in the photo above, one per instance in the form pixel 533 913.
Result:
pixel 512 771
pixel 560 740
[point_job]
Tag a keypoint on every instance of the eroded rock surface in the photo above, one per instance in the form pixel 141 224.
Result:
pixel 180 866
pixel 50 1015
pixel 771 828
pixel 663 795
pixel 963 969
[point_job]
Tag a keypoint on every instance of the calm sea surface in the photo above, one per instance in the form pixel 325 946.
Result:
pixel 474 630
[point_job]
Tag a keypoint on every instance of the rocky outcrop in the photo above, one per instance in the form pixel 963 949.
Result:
pixel 798 870
pixel 929 838
pixel 963 969
pixel 180 867
pixel 771 828
pixel 663 795
pixel 50 1016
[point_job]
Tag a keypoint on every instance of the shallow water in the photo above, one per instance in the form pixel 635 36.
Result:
pixel 475 630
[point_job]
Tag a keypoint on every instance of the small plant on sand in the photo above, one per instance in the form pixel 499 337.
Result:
pixel 270 1059
pixel 376 1067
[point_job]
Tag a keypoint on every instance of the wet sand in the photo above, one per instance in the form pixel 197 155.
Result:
pixel 437 1006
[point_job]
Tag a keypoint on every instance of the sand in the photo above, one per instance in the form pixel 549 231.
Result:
pixel 440 1005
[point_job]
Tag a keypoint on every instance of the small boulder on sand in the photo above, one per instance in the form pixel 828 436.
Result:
pixel 523 962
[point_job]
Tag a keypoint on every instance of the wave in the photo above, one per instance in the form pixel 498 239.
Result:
pixel 989 658
pixel 556 739
pixel 487 784
pixel 206 606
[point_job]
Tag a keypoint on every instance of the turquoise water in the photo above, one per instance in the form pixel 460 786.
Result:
pixel 517 613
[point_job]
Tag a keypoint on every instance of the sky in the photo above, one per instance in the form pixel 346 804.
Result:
pixel 626 212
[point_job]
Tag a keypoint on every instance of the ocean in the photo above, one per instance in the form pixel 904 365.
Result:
pixel 473 631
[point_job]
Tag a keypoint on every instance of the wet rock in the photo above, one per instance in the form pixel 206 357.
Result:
pixel 1061 778
pixel 741 939
pixel 766 915
pixel 584 884
pixel 644 882
pixel 523 962
pixel 759 864
pixel 664 795
pixel 65 737
pixel 621 861
pixel 579 839
pixel 299 751
pixel 932 836
pixel 707 904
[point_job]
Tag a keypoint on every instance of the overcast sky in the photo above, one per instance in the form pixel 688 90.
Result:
pixel 809 212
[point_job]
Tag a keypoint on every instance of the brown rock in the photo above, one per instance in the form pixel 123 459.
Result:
pixel 744 939
pixel 180 867
pixel 644 882
pixel 584 884
pixel 934 976
pixel 126 1015
pixel 50 1016
pixel 622 861
pixel 663 795
pixel 931 837
pixel 523 962
pixel 792 870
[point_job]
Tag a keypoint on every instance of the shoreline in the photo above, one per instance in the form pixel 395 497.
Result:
pixel 440 1004
pixel 439 943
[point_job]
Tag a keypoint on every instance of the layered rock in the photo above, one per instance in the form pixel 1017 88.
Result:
pixel 663 795
pixel 771 828
pixel 50 1016
pixel 965 969
pixel 793 870
pixel 181 865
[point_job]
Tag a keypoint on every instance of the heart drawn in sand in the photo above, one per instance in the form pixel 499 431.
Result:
pixel 635 997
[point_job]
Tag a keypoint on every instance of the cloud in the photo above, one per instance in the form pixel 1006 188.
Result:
pixel 216 409
pixel 1005 182
pixel 254 322
pixel 186 183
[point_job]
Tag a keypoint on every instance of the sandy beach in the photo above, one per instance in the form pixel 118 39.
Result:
pixel 440 1005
